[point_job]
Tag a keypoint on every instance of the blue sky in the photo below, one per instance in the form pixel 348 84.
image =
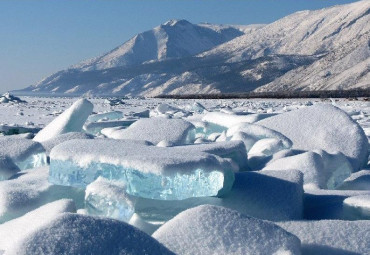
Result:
pixel 39 37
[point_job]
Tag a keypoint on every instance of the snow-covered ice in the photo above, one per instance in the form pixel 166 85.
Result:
pixel 187 162
pixel 357 181
pixel 95 128
pixel 208 229
pixel 70 233
pixel 357 207
pixel 155 130
pixel 323 127
pixel 18 154
pixel 31 189
pixel 13 231
pixel 71 120
pixel 149 171
pixel 51 143
pixel 331 237
pixel 320 169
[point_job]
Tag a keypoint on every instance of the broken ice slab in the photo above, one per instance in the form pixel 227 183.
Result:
pixel 109 199
pixel 94 128
pixel 71 120
pixel 15 130
pixel 18 154
pixel 114 115
pixel 148 171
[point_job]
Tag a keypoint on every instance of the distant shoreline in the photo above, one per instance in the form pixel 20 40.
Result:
pixel 359 93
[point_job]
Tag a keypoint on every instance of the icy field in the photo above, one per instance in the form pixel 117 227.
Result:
pixel 152 176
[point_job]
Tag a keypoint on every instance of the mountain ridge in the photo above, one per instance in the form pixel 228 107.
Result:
pixel 325 49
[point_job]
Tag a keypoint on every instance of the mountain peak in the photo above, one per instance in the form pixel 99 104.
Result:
pixel 177 22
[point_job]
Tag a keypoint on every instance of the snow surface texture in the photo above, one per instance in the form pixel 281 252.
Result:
pixel 13 231
pixel 51 143
pixel 328 204
pixel 155 130
pixel 324 49
pixel 338 134
pixel 19 154
pixel 331 237
pixel 79 234
pixel 149 171
pixel 206 229
pixel 282 200
pixel 71 120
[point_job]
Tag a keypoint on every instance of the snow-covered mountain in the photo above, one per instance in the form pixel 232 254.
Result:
pixel 309 50
pixel 173 39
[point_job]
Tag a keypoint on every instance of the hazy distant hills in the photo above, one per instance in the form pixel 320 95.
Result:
pixel 326 49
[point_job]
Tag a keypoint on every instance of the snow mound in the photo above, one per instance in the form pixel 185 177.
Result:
pixel 51 143
pixel 234 150
pixel 323 127
pixel 229 120
pixel 155 130
pixel 357 207
pixel 19 154
pixel 71 120
pixel 257 132
pixel 357 181
pixel 29 190
pixel 206 229
pixel 328 204
pixel 270 195
pixel 331 237
pixel 79 234
pixel 13 231
pixel 320 169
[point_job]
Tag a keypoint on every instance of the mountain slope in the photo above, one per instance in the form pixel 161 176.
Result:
pixel 326 49
pixel 173 39
pixel 303 33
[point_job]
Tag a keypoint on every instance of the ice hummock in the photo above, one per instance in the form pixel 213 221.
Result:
pixel 70 120
pixel 149 171
pixel 109 199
